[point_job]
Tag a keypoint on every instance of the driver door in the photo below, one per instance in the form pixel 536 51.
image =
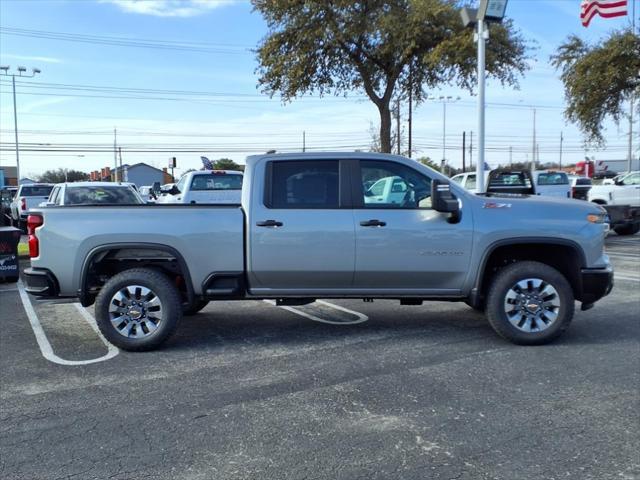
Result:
pixel 402 245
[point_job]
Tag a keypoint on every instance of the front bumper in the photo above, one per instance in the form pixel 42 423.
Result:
pixel 596 283
pixel 41 283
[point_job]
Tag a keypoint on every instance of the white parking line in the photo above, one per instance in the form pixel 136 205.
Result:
pixel 361 316
pixel 624 277
pixel 43 341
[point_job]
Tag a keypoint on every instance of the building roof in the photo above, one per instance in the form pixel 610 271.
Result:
pixel 140 164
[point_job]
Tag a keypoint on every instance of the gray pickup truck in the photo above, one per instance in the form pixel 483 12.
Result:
pixel 329 225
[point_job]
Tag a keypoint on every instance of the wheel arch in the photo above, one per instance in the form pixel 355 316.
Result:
pixel 87 298
pixel 564 255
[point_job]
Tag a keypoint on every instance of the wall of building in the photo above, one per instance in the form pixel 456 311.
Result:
pixel 143 175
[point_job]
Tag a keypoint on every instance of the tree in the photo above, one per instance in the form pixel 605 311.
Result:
pixel 227 164
pixel 598 80
pixel 376 46
pixel 62 175
pixel 429 163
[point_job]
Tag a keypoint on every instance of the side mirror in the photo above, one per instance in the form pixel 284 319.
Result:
pixel 619 182
pixel 174 190
pixel 442 200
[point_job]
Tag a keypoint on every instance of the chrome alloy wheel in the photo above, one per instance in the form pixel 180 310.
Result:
pixel 532 305
pixel 135 311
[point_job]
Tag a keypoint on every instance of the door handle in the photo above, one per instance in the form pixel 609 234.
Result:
pixel 373 223
pixel 269 223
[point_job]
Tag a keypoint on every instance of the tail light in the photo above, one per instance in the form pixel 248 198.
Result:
pixel 23 203
pixel 33 222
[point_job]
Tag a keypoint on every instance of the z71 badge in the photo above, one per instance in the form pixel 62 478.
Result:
pixel 496 205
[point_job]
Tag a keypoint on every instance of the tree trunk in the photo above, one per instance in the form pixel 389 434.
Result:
pixel 385 127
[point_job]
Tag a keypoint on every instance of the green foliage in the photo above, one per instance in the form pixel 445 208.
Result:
pixel 379 47
pixel 598 79
pixel 62 175
pixel 227 164
pixel 429 163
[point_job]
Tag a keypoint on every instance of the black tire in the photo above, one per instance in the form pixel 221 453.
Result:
pixel 630 229
pixel 194 308
pixel 162 288
pixel 506 279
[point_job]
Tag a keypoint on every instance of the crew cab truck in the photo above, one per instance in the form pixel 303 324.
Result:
pixel 306 229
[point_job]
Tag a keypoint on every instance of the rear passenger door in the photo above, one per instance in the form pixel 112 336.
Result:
pixel 301 228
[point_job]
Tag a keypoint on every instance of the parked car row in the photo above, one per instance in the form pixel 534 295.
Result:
pixel 620 197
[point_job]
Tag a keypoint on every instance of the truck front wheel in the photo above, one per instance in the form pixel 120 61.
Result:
pixel 530 303
pixel 138 309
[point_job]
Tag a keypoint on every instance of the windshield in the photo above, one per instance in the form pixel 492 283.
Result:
pixel 100 196
pixel 36 191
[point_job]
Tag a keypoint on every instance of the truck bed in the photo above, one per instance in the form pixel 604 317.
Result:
pixel 209 237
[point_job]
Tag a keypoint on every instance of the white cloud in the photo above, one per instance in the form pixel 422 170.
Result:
pixel 169 8
pixel 29 58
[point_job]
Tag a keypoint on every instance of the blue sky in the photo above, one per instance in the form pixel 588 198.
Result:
pixel 238 119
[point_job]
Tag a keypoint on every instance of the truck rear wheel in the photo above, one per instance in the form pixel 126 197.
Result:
pixel 530 303
pixel 138 309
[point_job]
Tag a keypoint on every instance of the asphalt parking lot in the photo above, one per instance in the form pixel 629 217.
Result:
pixel 248 390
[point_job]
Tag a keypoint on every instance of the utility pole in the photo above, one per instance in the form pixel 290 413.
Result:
pixel 398 126
pixel 304 141
pixel 533 153
pixel 464 150
pixel 510 157
pixel 410 109
pixel 121 172
pixel 630 152
pixel 4 71
pixel 114 177
pixel 471 150
pixel 561 140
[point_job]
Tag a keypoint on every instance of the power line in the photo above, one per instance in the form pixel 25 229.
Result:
pixel 155 44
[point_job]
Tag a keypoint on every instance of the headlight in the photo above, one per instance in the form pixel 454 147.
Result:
pixel 598 218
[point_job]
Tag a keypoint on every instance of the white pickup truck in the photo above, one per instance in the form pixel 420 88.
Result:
pixel 548 183
pixel 621 201
pixel 28 197
pixel 206 186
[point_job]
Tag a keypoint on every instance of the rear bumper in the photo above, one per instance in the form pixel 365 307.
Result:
pixel 41 282
pixel 596 283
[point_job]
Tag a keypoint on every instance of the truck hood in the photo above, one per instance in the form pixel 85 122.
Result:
pixel 547 205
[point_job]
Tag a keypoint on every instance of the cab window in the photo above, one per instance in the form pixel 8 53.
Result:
pixel 304 185
pixel 393 185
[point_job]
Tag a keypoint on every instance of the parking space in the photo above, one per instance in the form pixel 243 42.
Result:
pixel 250 390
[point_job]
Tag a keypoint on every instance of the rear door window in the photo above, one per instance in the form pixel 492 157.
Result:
pixel 304 185
pixel 216 181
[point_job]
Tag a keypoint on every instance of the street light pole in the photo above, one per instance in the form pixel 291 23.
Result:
pixel 4 71
pixel 487 11
pixel 481 88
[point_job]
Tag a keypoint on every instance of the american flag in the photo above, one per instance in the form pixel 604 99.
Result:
pixel 604 8
pixel 206 163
